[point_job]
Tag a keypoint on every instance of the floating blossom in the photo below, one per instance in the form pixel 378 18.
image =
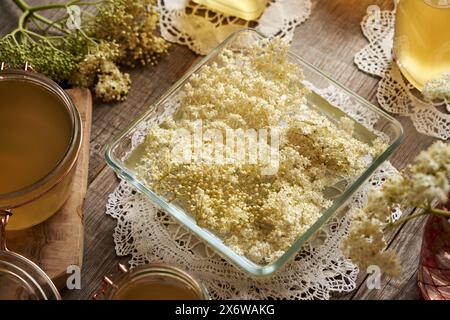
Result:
pixel 425 180
pixel 438 88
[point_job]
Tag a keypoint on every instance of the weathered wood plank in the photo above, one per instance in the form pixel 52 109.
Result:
pixel 407 243
pixel 328 39
pixel 58 242
pixel 99 255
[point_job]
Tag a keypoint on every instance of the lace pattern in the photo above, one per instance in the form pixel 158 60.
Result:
pixel 148 234
pixel 187 23
pixel 395 94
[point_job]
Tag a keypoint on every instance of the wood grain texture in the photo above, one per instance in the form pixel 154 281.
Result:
pixel 407 240
pixel 58 242
pixel 329 40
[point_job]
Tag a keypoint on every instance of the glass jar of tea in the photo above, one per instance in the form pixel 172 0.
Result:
pixel 422 40
pixel 40 139
pixel 151 282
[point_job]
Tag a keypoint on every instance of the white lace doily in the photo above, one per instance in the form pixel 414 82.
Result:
pixel 150 235
pixel 395 94
pixel 187 23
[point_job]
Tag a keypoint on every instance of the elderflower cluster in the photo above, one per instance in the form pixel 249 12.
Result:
pixel 131 25
pixel 438 88
pixel 121 33
pixel 97 70
pixel 422 182
pixel 55 58
pixel 257 215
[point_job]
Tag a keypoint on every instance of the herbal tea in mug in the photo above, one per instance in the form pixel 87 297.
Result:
pixel 422 40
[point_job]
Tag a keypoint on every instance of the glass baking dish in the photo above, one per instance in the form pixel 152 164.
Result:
pixel 381 124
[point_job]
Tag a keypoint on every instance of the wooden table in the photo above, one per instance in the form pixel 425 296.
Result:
pixel 329 40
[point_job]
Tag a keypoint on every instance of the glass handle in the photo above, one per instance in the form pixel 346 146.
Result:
pixel 4 217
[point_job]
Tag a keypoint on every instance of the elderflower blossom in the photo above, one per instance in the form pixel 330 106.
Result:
pixel 90 66
pixel 112 85
pixel 122 32
pixel 365 243
pixel 55 58
pixel 422 182
pixel 438 88
pixel 97 70
pixel 131 24
pixel 257 215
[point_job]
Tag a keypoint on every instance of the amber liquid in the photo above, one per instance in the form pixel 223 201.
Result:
pixel 35 132
pixel 150 290
pixel 422 40
pixel 245 9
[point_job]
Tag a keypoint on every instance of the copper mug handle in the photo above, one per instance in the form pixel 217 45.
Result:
pixel 4 217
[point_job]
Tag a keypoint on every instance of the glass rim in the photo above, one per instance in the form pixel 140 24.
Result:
pixel 205 235
pixel 73 147
pixel 33 272
pixel 150 270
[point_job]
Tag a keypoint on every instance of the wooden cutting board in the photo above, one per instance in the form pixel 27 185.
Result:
pixel 58 242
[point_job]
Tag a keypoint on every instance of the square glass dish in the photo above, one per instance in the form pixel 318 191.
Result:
pixel 370 123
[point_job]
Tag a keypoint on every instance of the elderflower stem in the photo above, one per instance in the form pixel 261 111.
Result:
pixel 404 219
pixel 426 210
pixel 49 22
pixel 23 20
pixel 440 212
pixel 62 5
pixel 29 11
pixel 22 5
